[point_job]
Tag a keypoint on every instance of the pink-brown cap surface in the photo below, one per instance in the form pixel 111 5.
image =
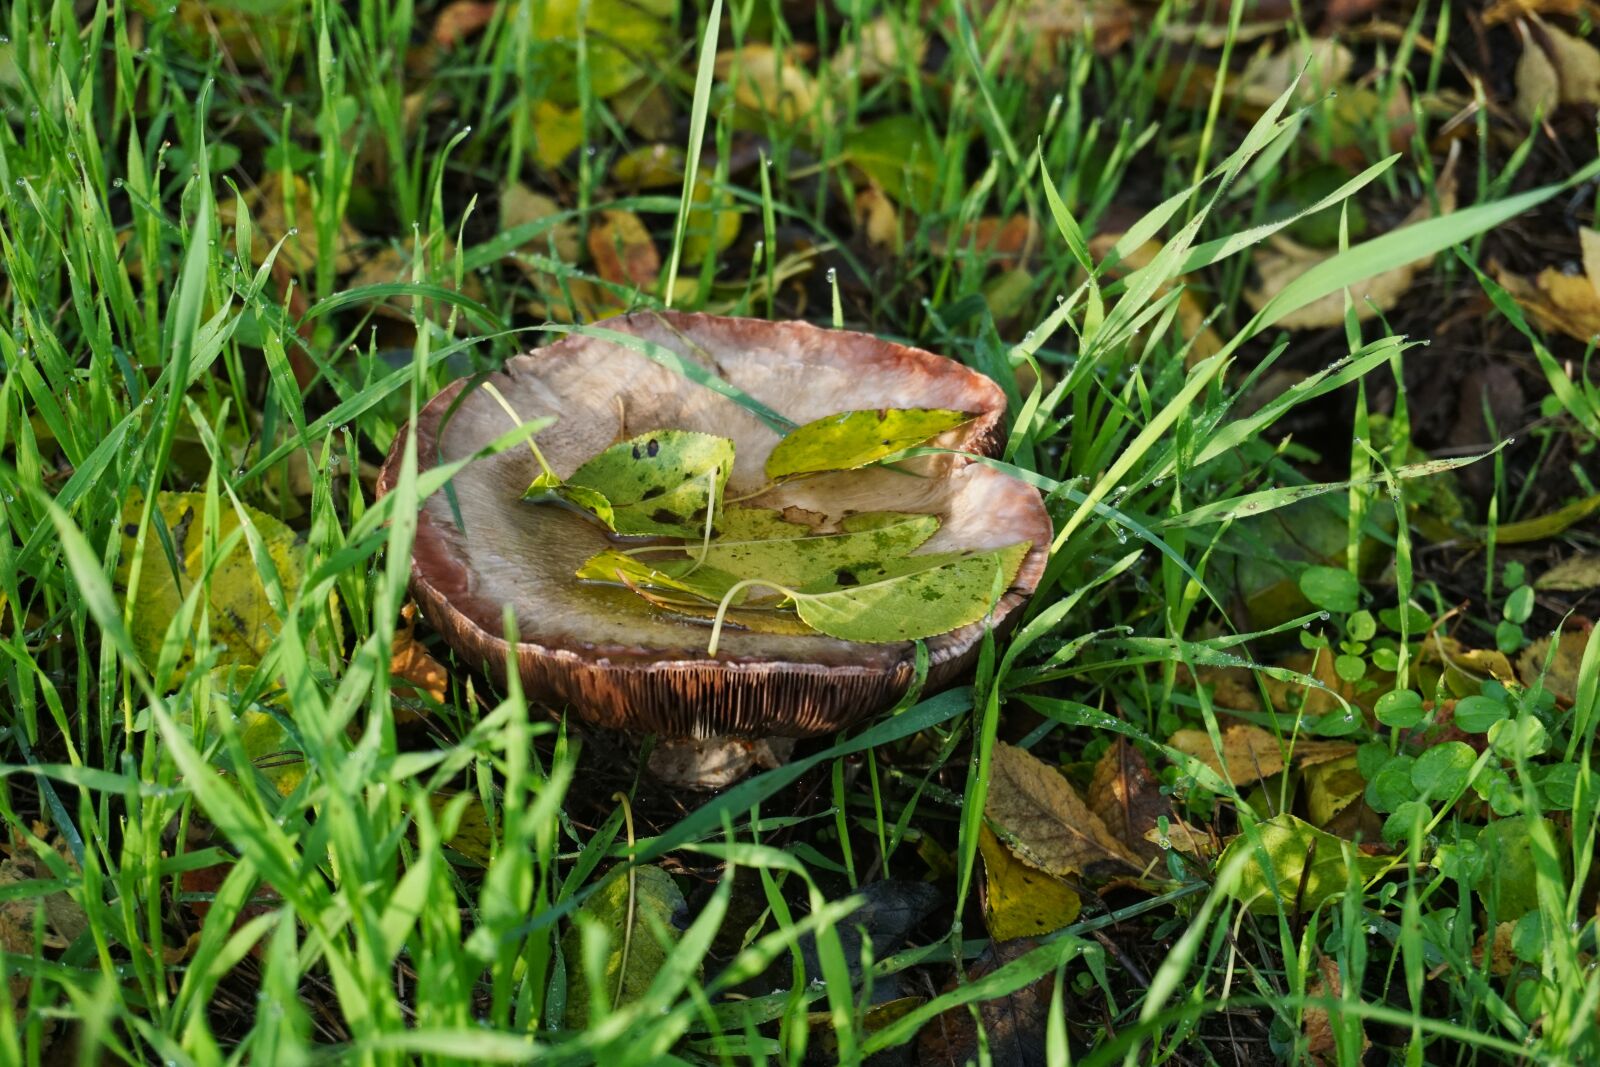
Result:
pixel 616 660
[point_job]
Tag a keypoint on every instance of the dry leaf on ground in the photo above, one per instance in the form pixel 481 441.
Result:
pixel 275 220
pixel 1555 68
pixel 771 82
pixel 1322 1045
pixel 1575 574
pixel 1127 797
pixel 1321 66
pixel 412 666
pixel 1251 753
pixel 1183 837
pixel 1014 1025
pixel 624 252
pixel 520 206
pixel 1501 11
pixel 1046 23
pixel 389 264
pixel 882 47
pixel 1502 957
pixel 1006 242
pixel 1052 828
pixel 1559 302
pixel 1562 676
pixel 1020 901
pixel 460 20
pixel 877 217
pixel 64 918
pixel 1282 260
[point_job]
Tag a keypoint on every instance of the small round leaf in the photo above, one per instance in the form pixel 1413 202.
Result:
pixel 1525 735
pixel 1362 626
pixel 1401 709
pixel 1444 770
pixel 1392 786
pixel 1405 819
pixel 1519 605
pixel 1331 588
pixel 1475 714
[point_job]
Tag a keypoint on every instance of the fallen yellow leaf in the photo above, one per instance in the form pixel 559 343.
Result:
pixel 1020 901
pixel 1250 753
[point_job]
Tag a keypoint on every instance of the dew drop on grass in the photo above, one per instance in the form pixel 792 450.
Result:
pixel 833 275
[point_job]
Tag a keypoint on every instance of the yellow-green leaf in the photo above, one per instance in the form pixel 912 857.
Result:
pixel 854 439
pixel 1020 900
pixel 657 484
pixel 1300 864
pixel 634 953
pixel 241 618
pixel 910 598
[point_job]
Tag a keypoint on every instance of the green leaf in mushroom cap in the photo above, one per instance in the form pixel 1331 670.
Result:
pixel 658 484
pixel 794 558
pixel 910 598
pixel 854 439
pixel 615 567
pixel 866 540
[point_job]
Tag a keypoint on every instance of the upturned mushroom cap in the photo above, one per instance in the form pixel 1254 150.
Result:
pixel 616 660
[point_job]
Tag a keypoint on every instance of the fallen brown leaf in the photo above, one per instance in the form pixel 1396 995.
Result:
pixel 1322 65
pixel 1047 23
pixel 412 665
pixel 771 82
pixel 1052 828
pixel 1576 574
pixel 274 221
pixel 460 20
pixel 1502 958
pixel 1183 837
pixel 1127 797
pixel 880 49
pixel 1555 69
pixel 1014 1026
pixel 1321 1043
pixel 877 217
pixel 624 253
pixel 1562 676
pixel 1251 753
pixel 1003 241
pixel 1501 11
pixel 1559 302
pixel 519 206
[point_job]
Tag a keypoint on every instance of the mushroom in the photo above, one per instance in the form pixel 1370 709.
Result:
pixel 616 660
